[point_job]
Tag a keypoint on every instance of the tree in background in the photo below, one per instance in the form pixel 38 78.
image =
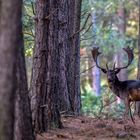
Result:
pixel 120 57
pixel 96 85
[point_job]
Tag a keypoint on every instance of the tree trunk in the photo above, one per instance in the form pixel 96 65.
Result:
pixel 73 53
pixel 55 84
pixel 8 51
pixel 120 56
pixel 53 71
pixel 90 72
pixel 96 85
pixel 39 70
pixel 122 28
pixel 23 123
pixel 45 75
pixel 64 103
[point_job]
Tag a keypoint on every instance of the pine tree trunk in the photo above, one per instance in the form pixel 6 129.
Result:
pixel 9 19
pixel 76 55
pixel 45 75
pixel 64 103
pixel 73 53
pixel 56 63
pixel 23 123
pixel 53 71
pixel 39 70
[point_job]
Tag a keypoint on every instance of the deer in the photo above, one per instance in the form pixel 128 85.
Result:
pixel 128 90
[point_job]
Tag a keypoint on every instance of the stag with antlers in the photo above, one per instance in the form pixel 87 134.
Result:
pixel 128 90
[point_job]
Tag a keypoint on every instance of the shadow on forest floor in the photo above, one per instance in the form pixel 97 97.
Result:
pixel 87 128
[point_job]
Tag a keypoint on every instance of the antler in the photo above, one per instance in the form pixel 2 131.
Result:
pixel 95 54
pixel 130 54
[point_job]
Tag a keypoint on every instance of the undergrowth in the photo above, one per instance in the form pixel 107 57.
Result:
pixel 107 105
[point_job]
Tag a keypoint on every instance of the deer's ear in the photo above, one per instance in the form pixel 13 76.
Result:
pixel 104 70
pixel 117 71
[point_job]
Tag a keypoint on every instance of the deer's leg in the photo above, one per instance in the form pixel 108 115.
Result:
pixel 137 110
pixel 131 113
pixel 128 108
pixel 139 113
pixel 126 101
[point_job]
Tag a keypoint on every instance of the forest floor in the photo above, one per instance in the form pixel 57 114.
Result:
pixel 88 128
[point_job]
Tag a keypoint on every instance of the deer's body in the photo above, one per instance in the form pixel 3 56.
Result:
pixel 128 90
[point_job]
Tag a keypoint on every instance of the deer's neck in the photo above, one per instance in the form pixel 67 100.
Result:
pixel 115 86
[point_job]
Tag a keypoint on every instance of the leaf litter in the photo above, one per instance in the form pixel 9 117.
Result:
pixel 88 128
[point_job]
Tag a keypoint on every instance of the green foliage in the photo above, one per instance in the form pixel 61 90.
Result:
pixel 28 27
pixel 104 106
pixel 90 104
pixel 29 33
pixel 104 30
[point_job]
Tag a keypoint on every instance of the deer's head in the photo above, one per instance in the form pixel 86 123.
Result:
pixel 112 73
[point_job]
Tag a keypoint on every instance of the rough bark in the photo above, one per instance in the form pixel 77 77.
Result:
pixel 23 129
pixel 64 103
pixel 73 56
pixel 53 69
pixel 76 56
pixel 8 52
pixel 39 70
pixel 45 75
pixel 56 63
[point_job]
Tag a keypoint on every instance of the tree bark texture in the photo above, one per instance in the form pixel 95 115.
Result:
pixel 55 83
pixel 53 71
pixel 9 19
pixel 23 129
pixel 63 37
pixel 45 75
pixel 73 56
pixel 39 71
